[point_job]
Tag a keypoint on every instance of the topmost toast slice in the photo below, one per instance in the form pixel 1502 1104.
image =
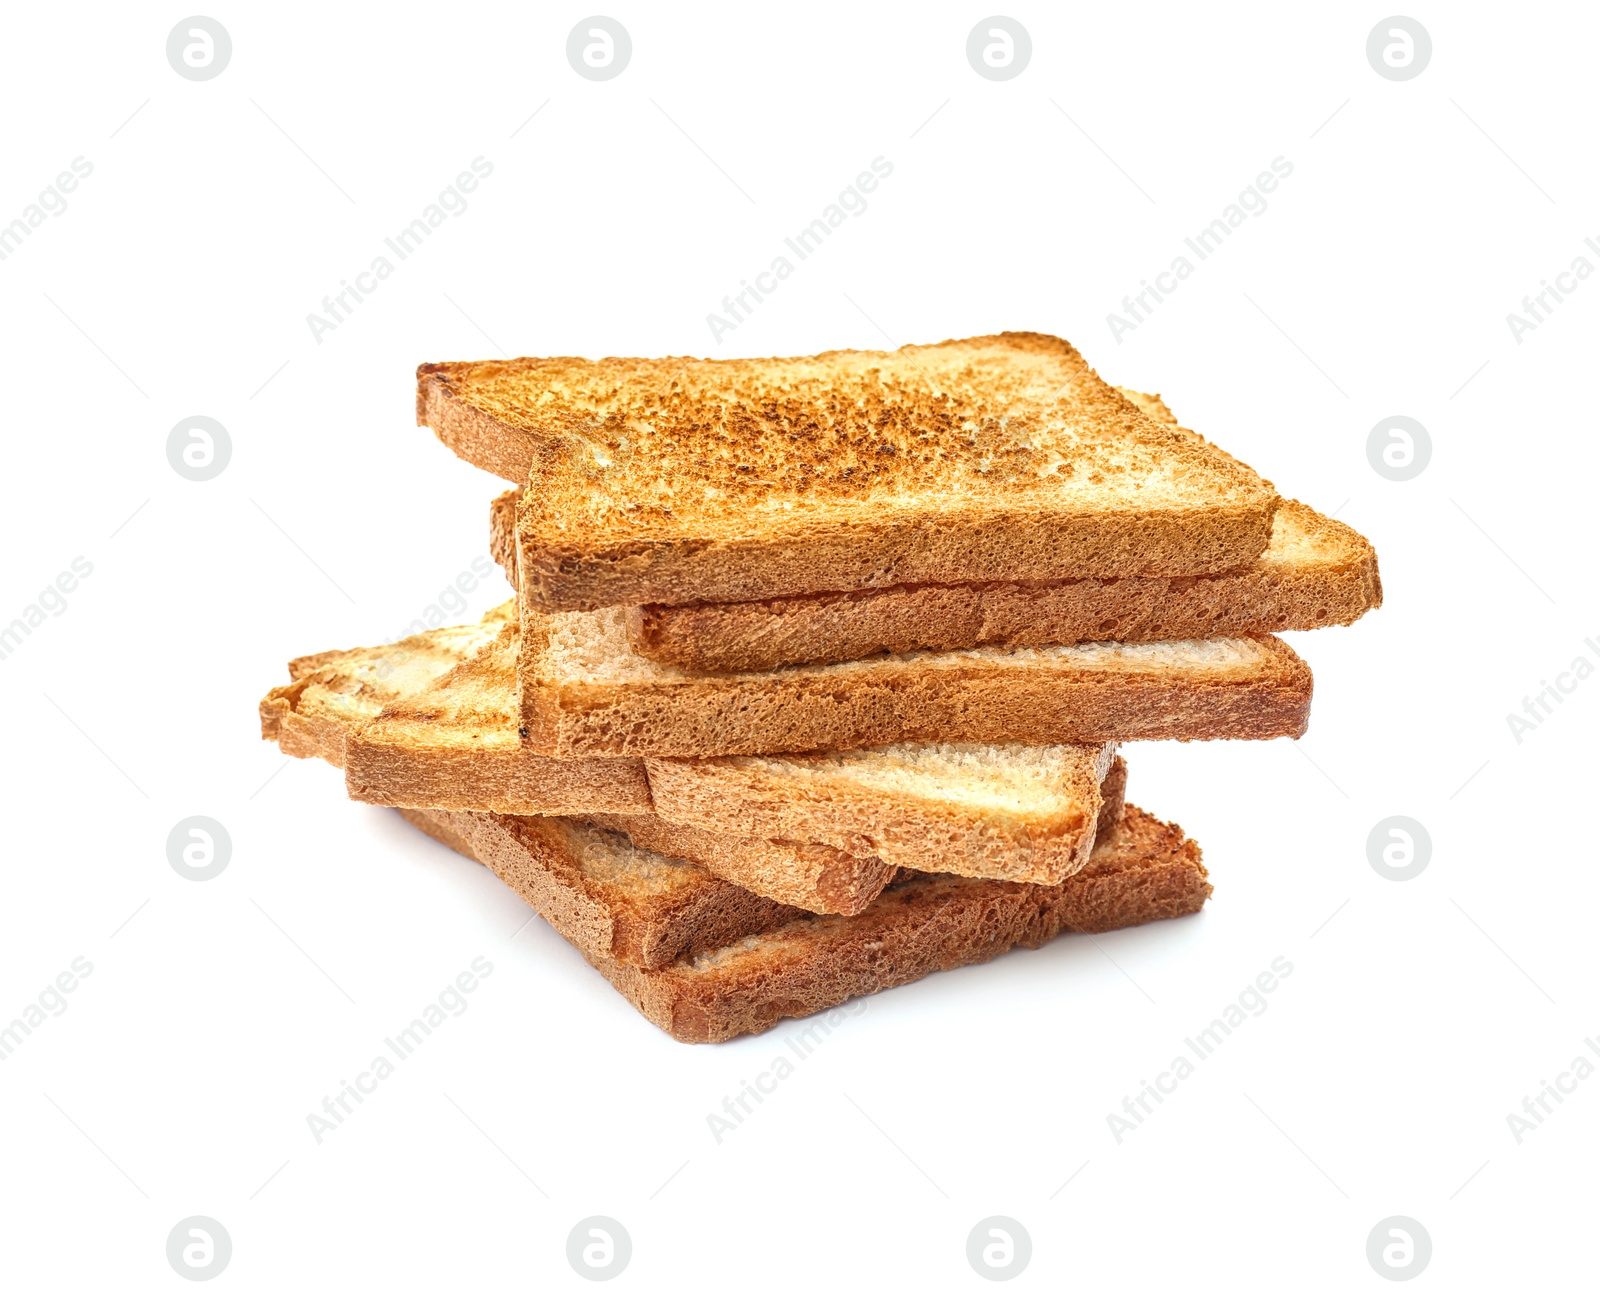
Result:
pixel 999 458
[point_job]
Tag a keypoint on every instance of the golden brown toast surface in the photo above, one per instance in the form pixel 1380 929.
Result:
pixel 1004 457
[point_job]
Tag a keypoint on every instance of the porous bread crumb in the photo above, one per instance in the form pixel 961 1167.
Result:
pixel 1003 778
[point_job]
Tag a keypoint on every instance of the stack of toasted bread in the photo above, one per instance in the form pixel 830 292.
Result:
pixel 817 668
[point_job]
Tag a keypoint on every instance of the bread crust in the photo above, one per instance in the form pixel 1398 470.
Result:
pixel 811 875
pixel 996 458
pixel 389 772
pixel 480 440
pixel 1023 696
pixel 887 550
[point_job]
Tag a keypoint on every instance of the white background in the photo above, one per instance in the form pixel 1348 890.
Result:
pixel 219 1015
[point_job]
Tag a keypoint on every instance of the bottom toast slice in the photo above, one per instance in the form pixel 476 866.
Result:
pixel 790 966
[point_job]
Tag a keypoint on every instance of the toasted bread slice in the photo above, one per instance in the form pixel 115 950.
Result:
pixel 1003 458
pixel 1316 572
pixel 466 753
pixel 956 808
pixel 586 693
pixel 1146 870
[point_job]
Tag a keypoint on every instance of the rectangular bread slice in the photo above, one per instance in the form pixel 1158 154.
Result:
pixel 952 808
pixel 1315 572
pixel 585 693
pixel 1146 870
pixel 471 756
pixel 1005 458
